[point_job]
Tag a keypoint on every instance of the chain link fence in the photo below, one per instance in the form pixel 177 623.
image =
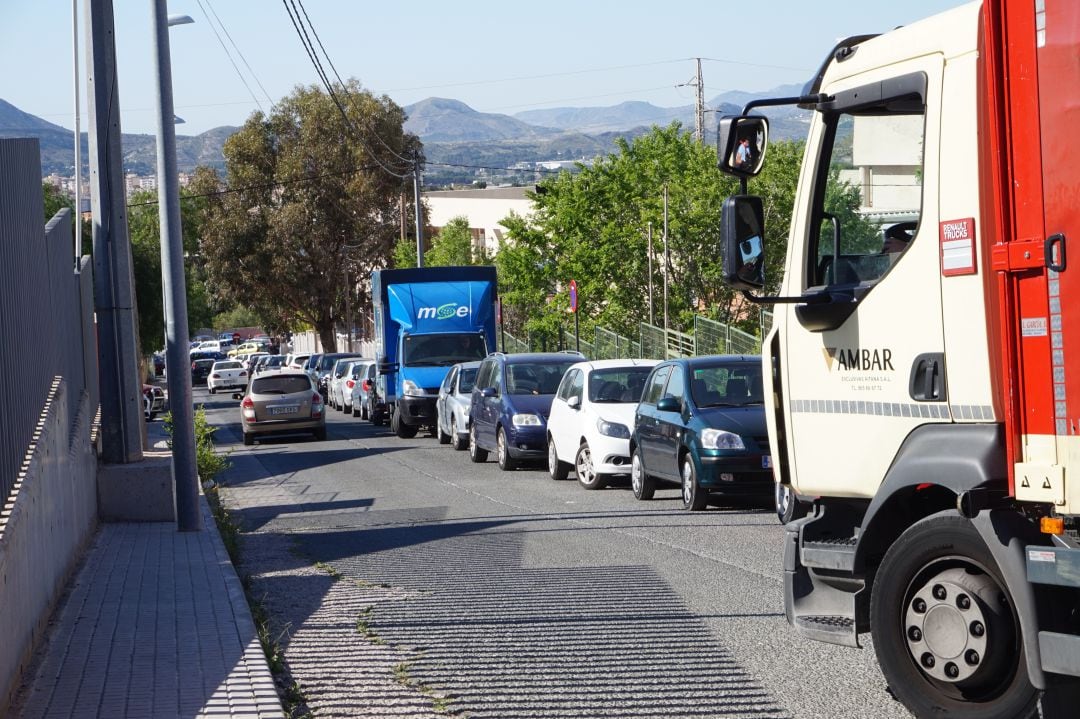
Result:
pixel 510 343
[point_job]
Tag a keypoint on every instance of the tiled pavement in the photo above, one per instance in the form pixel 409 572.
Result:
pixel 154 624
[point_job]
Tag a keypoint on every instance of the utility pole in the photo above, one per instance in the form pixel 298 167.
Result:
pixel 184 468
pixel 652 316
pixel 419 212
pixel 699 103
pixel 667 259
pixel 699 124
pixel 78 131
pixel 348 306
pixel 122 425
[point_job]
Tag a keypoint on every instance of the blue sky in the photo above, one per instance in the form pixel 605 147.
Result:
pixel 496 56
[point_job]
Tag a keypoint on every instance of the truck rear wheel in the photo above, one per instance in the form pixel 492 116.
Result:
pixel 946 633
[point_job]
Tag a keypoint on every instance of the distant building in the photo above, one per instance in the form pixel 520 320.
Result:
pixel 887 157
pixel 486 209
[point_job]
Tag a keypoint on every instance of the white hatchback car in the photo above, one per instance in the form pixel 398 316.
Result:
pixel 591 418
pixel 227 374
pixel 452 406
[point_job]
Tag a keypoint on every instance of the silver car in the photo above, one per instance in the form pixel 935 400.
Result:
pixel 363 374
pixel 452 406
pixel 282 402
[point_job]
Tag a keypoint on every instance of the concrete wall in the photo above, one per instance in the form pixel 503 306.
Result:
pixel 44 527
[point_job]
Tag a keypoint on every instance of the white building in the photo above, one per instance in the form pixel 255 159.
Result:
pixel 486 209
pixel 887 154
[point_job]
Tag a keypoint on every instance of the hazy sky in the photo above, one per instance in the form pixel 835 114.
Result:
pixel 504 57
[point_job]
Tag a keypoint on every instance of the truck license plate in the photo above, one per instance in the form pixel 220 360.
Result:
pixel 284 409
pixel 766 461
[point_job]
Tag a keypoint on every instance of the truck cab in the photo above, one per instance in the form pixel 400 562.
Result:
pixel 920 419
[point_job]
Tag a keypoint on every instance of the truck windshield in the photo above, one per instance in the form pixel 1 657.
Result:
pixel 443 349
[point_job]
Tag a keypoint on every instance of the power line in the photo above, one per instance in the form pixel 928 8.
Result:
pixel 309 48
pixel 228 54
pixel 238 52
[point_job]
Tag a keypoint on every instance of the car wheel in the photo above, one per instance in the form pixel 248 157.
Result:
pixel 362 412
pixel 402 430
pixel 357 411
pixel 249 439
pixel 644 486
pixel 459 442
pixel 212 390
pixel 946 632
pixel 476 454
pixel 320 434
pixel 694 498
pixel 502 451
pixel 586 471
pixel 788 506
pixel 346 408
pixel 444 438
pixel 558 470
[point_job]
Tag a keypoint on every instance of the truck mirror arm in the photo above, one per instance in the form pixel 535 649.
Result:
pixel 816 298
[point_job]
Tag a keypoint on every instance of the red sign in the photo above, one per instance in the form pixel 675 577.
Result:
pixel 235 336
pixel 573 296
pixel 957 239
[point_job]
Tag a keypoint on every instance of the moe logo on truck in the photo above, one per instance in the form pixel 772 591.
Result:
pixel 443 312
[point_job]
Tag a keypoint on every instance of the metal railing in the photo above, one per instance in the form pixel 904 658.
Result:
pixel 46 328
pixel 657 343
pixel 612 345
pixel 510 343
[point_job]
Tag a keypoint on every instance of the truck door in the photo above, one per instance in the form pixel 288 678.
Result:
pixel 865 368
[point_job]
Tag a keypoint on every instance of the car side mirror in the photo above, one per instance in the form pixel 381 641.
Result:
pixel 741 141
pixel 489 392
pixel 574 402
pixel 742 234
pixel 669 404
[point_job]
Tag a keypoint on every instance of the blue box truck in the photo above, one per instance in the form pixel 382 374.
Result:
pixel 427 319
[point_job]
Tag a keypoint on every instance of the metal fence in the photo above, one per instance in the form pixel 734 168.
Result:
pixel 612 345
pixel 46 309
pixel 658 343
pixel 712 337
pixel 510 343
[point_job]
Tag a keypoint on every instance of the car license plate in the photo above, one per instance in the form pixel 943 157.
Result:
pixel 284 409
pixel 766 461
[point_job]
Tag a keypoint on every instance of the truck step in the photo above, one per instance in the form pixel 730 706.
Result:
pixel 829 553
pixel 831 629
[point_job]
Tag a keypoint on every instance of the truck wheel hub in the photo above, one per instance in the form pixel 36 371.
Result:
pixel 946 627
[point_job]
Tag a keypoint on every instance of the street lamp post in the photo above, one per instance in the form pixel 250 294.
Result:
pixel 184 468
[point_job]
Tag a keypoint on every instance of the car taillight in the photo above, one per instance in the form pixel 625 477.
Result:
pixel 350 384
pixel 316 404
pixel 216 376
pixel 366 385
pixel 192 366
pixel 248 408
pixel 243 373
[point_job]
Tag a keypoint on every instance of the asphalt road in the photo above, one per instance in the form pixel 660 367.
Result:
pixel 406 581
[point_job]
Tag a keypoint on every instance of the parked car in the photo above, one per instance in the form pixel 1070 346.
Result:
pixel 365 373
pixel 296 360
pixel 282 402
pixel 227 374
pixel 269 362
pixel 159 363
pixel 244 349
pixel 701 425
pixel 153 401
pixel 591 418
pixel 452 406
pixel 510 403
pixel 378 408
pixel 355 373
pixel 322 370
pixel 339 374
pixel 200 369
pixel 250 360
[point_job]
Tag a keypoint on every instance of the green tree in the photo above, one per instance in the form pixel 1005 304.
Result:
pixel 453 246
pixel 238 316
pixel 405 253
pixel 309 201
pixel 55 200
pixel 145 233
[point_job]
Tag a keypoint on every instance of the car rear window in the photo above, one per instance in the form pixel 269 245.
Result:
pixel 281 384
pixel 228 365
pixel 205 362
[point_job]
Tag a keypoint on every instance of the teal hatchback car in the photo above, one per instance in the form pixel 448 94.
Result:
pixel 701 425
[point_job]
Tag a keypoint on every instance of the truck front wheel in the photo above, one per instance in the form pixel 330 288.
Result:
pixel 945 630
pixel 402 430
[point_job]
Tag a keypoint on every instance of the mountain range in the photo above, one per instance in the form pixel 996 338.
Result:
pixel 452 133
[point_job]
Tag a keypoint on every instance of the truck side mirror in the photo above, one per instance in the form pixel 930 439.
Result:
pixel 741 141
pixel 742 233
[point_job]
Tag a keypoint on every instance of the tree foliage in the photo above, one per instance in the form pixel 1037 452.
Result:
pixel 145 232
pixel 283 245
pixel 593 227
pixel 452 246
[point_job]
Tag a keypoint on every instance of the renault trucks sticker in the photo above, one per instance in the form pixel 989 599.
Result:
pixel 957 247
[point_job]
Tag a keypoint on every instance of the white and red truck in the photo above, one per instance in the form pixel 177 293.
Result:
pixel 925 421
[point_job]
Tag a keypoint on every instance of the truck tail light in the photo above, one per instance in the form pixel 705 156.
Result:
pixel 248 408
pixel 316 404
pixel 1052 525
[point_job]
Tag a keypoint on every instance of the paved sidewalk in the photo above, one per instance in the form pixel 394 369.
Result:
pixel 153 624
